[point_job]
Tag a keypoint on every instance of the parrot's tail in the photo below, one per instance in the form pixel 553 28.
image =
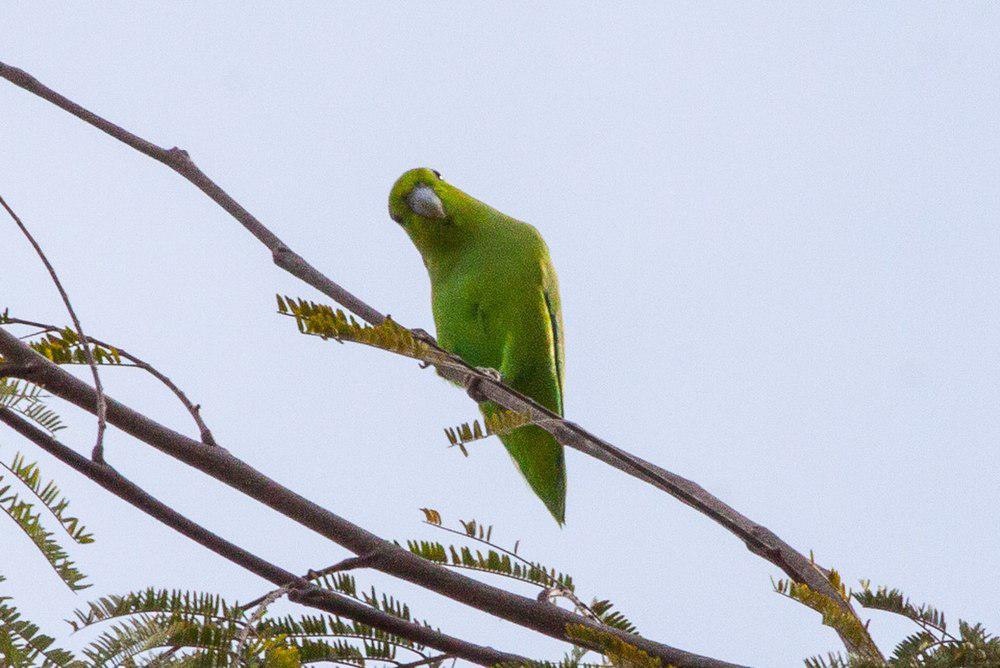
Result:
pixel 542 462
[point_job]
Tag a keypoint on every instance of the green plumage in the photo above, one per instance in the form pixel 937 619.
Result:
pixel 496 305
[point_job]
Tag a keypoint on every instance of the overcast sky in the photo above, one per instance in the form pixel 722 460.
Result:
pixel 776 232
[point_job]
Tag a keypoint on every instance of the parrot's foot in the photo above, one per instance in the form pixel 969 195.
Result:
pixel 473 383
pixel 492 373
pixel 424 336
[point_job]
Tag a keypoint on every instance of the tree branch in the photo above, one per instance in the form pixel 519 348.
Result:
pixel 102 409
pixel 220 464
pixel 757 538
pixel 193 409
pixel 300 590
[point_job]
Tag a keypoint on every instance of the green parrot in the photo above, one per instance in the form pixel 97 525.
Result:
pixel 496 305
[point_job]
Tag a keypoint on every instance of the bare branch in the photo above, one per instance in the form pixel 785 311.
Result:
pixel 223 466
pixel 261 606
pixel 179 161
pixel 193 409
pixel 350 563
pixel 758 539
pixel 299 590
pixel 102 407
pixel 424 662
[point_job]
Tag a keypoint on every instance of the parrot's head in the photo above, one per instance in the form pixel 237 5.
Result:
pixel 424 205
pixel 416 198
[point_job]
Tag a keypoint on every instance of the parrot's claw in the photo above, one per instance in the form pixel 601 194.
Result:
pixel 492 373
pixel 473 384
pixel 423 336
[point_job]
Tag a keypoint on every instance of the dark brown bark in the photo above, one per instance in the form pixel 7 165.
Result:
pixel 757 538
pixel 21 361
pixel 303 592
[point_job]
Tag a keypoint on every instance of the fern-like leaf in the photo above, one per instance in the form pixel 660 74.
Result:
pixel 607 615
pixel 327 322
pixel 500 423
pixel 345 583
pixel 490 561
pixel 151 602
pixel 619 653
pixel 497 560
pixel 893 600
pixel 22 643
pixel 64 347
pixel 126 640
pixel 829 661
pixel 13 391
pixel 832 614
pixel 29 522
pixel 29 474
pixel 318 627
pixel 26 399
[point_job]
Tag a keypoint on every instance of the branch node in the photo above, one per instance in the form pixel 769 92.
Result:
pixel 281 254
pixel 366 560
pixel 765 544
pixel 19 76
pixel 423 336
pixel 179 155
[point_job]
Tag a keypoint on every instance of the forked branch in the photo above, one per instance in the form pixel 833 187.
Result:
pixel 22 361
pixel 299 589
pixel 193 409
pixel 758 539
pixel 98 451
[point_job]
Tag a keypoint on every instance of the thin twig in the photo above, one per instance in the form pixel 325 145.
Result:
pixel 261 609
pixel 345 565
pixel 555 588
pixel 304 592
pixel 424 662
pixel 758 539
pixel 193 409
pixel 102 405
pixel 223 466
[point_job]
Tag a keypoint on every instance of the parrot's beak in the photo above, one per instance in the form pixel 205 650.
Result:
pixel 425 202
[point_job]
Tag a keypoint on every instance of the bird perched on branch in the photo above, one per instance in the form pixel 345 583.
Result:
pixel 496 305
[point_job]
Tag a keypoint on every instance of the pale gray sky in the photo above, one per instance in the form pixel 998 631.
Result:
pixel 775 229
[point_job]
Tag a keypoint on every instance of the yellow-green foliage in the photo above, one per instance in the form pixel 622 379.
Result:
pixel 327 322
pixel 834 615
pixel 64 347
pixel 203 629
pixel 501 422
pixel 496 560
pixel 282 657
pixel 618 652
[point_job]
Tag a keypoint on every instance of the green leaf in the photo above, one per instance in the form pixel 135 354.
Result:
pixel 26 399
pixel 29 474
pixel 30 523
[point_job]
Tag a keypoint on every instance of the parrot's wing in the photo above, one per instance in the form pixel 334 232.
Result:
pixel 550 288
